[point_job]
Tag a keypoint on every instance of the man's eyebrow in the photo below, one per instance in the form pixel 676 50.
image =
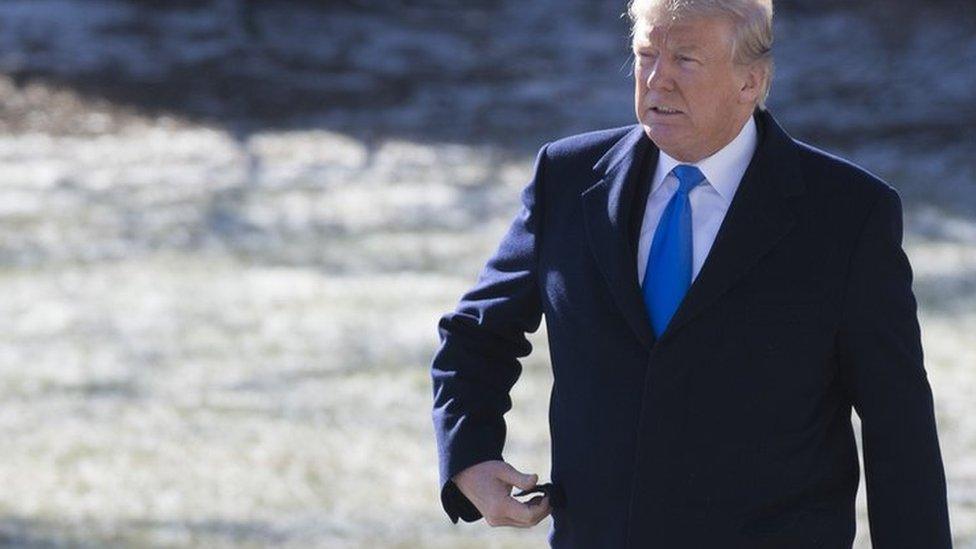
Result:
pixel 640 44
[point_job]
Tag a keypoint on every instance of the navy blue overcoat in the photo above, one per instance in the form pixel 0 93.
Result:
pixel 733 429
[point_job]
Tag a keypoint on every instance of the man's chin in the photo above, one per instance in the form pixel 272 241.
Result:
pixel 662 135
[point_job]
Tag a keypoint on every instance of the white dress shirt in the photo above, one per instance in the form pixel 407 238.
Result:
pixel 709 200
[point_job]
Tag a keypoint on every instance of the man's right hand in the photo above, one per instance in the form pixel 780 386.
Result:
pixel 489 487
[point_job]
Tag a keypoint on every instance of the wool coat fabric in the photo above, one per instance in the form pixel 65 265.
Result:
pixel 733 429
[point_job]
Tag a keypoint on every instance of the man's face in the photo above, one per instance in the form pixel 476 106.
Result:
pixel 689 96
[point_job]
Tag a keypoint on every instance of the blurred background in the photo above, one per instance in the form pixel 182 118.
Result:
pixel 228 229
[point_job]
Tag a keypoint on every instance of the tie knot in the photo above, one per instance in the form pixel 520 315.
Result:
pixel 689 176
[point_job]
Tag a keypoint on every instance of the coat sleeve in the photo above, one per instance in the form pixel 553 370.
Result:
pixel 880 355
pixel 481 341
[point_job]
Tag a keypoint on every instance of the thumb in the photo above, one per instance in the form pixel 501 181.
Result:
pixel 522 480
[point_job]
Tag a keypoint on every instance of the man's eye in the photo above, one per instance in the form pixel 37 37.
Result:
pixel 684 58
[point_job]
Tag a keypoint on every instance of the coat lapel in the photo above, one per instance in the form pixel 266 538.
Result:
pixel 605 208
pixel 759 216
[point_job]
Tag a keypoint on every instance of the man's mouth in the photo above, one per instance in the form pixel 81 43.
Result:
pixel 665 110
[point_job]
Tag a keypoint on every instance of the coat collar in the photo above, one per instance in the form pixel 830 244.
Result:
pixel 759 216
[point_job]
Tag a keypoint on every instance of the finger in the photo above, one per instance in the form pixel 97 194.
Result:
pixel 540 508
pixel 515 524
pixel 539 512
pixel 538 501
pixel 512 476
pixel 517 511
pixel 502 520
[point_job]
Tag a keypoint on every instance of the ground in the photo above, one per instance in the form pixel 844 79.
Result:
pixel 227 231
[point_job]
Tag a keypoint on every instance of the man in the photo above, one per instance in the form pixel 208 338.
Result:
pixel 718 296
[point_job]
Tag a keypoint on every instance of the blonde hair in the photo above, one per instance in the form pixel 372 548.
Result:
pixel 752 41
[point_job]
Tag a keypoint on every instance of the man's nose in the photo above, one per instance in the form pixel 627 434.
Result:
pixel 659 75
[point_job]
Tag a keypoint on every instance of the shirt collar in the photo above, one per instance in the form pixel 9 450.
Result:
pixel 724 169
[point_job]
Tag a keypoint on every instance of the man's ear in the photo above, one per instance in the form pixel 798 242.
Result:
pixel 752 82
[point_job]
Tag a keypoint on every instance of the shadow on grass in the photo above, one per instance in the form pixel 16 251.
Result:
pixel 481 72
pixel 44 533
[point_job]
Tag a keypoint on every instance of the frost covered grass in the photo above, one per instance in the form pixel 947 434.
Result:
pixel 205 401
pixel 171 381
pixel 258 387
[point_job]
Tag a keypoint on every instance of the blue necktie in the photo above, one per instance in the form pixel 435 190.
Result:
pixel 668 273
